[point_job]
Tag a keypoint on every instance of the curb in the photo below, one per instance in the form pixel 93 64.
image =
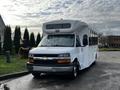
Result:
pixel 13 75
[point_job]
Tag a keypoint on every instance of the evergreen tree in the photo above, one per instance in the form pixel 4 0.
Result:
pixel 17 37
pixel 26 38
pixel 38 39
pixel 32 40
pixel 7 46
pixel 0 48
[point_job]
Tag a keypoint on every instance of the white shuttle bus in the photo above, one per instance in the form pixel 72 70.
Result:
pixel 67 46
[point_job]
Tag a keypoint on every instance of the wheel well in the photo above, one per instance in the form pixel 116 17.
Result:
pixel 76 62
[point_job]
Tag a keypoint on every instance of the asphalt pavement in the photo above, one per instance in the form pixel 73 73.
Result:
pixel 104 75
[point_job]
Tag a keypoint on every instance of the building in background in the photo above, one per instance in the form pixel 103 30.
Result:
pixel 110 41
pixel 113 41
pixel 2 28
pixel 103 41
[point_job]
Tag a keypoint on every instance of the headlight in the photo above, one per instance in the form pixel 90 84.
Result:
pixel 64 55
pixel 30 55
pixel 30 58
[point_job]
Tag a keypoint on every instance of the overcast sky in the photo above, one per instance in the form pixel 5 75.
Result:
pixel 103 14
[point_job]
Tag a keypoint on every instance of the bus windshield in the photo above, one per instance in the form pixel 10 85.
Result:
pixel 58 41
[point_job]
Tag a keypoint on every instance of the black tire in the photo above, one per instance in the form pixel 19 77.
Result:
pixel 95 60
pixel 75 72
pixel 36 75
pixel 96 57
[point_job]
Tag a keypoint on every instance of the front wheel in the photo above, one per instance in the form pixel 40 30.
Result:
pixel 36 75
pixel 95 59
pixel 75 72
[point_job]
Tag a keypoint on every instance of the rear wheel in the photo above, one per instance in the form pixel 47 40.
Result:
pixel 36 74
pixel 95 59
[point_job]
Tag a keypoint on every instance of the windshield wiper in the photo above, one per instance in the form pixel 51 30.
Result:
pixel 44 46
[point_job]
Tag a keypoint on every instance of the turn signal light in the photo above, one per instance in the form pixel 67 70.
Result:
pixel 30 60
pixel 65 61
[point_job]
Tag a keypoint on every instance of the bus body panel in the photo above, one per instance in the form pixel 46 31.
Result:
pixel 85 54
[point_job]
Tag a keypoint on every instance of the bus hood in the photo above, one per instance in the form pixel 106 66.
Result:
pixel 51 50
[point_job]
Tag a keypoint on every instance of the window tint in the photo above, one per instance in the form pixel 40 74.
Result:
pixel 58 26
pixel 93 39
pixel 66 40
pixel 85 40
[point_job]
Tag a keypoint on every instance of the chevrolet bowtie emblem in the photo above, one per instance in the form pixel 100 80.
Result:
pixel 45 58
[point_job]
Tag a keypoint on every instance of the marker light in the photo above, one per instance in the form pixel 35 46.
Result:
pixel 63 61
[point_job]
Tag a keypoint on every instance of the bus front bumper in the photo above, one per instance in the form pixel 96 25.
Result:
pixel 49 69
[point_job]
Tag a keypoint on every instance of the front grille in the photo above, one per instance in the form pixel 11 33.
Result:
pixel 45 62
pixel 46 55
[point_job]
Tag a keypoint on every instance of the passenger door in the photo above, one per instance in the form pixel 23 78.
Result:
pixel 78 49
pixel 85 51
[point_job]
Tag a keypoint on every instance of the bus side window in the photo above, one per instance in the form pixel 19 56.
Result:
pixel 78 41
pixel 85 40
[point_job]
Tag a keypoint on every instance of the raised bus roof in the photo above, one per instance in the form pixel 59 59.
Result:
pixel 63 26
